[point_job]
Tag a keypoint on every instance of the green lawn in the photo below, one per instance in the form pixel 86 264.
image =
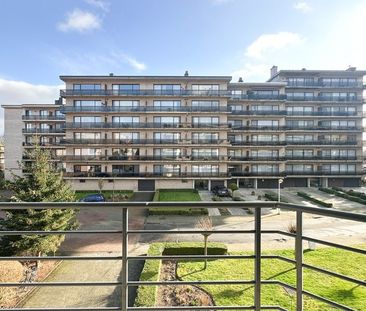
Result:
pixel 185 195
pixel 335 289
pixel 118 194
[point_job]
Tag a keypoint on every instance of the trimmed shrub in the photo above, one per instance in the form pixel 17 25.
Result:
pixel 177 211
pixel 238 198
pixel 314 200
pixel 344 195
pixel 216 198
pixel 156 196
pixel 146 295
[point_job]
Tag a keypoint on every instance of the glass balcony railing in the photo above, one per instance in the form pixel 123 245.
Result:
pixel 43 131
pixel 41 117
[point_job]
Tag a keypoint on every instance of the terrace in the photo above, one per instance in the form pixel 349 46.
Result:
pixel 299 287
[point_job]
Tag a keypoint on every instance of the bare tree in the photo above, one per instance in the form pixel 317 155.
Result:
pixel 205 224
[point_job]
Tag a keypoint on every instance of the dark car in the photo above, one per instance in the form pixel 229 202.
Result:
pixel 97 197
pixel 221 191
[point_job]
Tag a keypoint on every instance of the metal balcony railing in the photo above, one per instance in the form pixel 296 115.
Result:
pixel 147 174
pixel 142 141
pixel 124 232
pixel 67 109
pixel 43 131
pixel 41 118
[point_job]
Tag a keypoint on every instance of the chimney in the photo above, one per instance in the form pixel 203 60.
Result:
pixel 111 74
pixel 186 73
pixel 350 68
pixel 274 71
pixel 240 79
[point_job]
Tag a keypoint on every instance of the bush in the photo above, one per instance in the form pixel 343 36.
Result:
pixel 146 295
pixel 233 186
pixel 238 199
pixel 311 199
pixel 344 195
pixel 216 198
pixel 177 211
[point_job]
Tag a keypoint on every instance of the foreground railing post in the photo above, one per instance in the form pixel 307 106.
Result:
pixel 257 260
pixel 299 261
pixel 124 295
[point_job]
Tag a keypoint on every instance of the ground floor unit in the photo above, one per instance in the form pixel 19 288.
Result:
pixel 136 184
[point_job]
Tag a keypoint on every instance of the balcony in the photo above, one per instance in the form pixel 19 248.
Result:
pixel 98 125
pixel 142 158
pixel 320 84
pixel 322 158
pixel 322 113
pixel 112 109
pixel 145 175
pixel 245 174
pixel 41 117
pixel 298 288
pixel 322 128
pixel 257 143
pixel 322 173
pixel 258 97
pixel 325 98
pixel 323 142
pixel 258 112
pixel 146 92
pixel 43 131
pixel 256 159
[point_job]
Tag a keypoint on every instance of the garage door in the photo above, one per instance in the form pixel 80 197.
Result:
pixel 146 185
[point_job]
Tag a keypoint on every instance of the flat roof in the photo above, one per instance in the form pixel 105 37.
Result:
pixel 31 106
pixel 345 72
pixel 118 77
pixel 259 84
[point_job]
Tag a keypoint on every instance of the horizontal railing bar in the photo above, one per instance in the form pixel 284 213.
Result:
pixel 190 257
pixel 336 245
pixel 52 284
pixel 289 260
pixel 327 301
pixel 193 308
pixel 335 274
pixel 65 309
pixel 213 282
pixel 241 204
pixel 323 212
pixel 278 232
pixel 61 232
pixel 191 231
pixel 21 258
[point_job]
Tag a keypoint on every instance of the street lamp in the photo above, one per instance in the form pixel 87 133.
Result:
pixel 280 181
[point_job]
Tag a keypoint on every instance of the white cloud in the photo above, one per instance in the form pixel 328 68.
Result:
pixel 270 42
pixel 20 92
pixel 99 4
pixel 302 6
pixel 75 62
pixel 80 21
pixel 251 72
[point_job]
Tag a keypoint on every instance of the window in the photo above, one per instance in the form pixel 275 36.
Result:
pixel 91 119
pixel 127 121
pixel 197 104
pixel 299 123
pixel 235 107
pixel 87 135
pixel 299 153
pixel 87 103
pixel 43 113
pixel 264 153
pixel 300 95
pixel 264 137
pixel 87 168
pixel 205 89
pixel 167 89
pixel 87 87
pixel 264 93
pixel 338 124
pixel 339 82
pixel 300 110
pixel 204 137
pixel 167 105
pixel 299 138
pixel 167 121
pixel 339 153
pixel 338 96
pixel 300 81
pixel 126 137
pixel 299 168
pixel 265 123
pixel 158 136
pixel 339 168
pixel 125 170
pixel 205 170
pixel 205 121
pixel 205 153
pixel 125 89
pixel 167 153
pixel 167 169
pixel 87 152
pixel 265 168
pixel 125 105
pixel 264 108
pixel 125 153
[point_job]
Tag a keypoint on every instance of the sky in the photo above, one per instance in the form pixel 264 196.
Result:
pixel 43 39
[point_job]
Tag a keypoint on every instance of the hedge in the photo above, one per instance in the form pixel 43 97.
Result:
pixel 311 199
pixel 146 295
pixel 344 195
pixel 159 211
pixel 271 196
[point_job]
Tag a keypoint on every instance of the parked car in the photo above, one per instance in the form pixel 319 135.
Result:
pixel 221 191
pixel 96 197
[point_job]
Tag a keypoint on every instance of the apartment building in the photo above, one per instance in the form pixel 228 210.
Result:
pixel 150 132
pixel 2 158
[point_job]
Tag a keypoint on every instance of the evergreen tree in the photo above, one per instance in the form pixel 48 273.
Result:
pixel 43 183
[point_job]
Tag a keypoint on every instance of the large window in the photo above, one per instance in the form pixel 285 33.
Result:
pixel 205 89
pixel 87 169
pixel 202 105
pixel 299 138
pixel 167 105
pixel 87 119
pixel 158 136
pixel 167 121
pixel 205 153
pixel 300 95
pixel 125 153
pixel 339 153
pixel 167 170
pixel 264 153
pixel 125 170
pixel 125 121
pixel 167 89
pixel 87 135
pixel 125 137
pixel 265 168
pixel 125 105
pixel 198 138
pixel 205 170
pixel 338 96
pixel 339 82
pixel 300 110
pixel 299 153
pixel 87 103
pixel 339 168
pixel 262 137
pixel 338 123
pixel 300 81
pixel 91 152
pixel 126 89
pixel 300 123
pixel 87 87
pixel 264 108
pixel 205 121
pixel 169 153
pixel 265 123
pixel 307 168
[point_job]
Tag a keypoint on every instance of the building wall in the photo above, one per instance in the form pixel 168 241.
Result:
pixel 13 141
